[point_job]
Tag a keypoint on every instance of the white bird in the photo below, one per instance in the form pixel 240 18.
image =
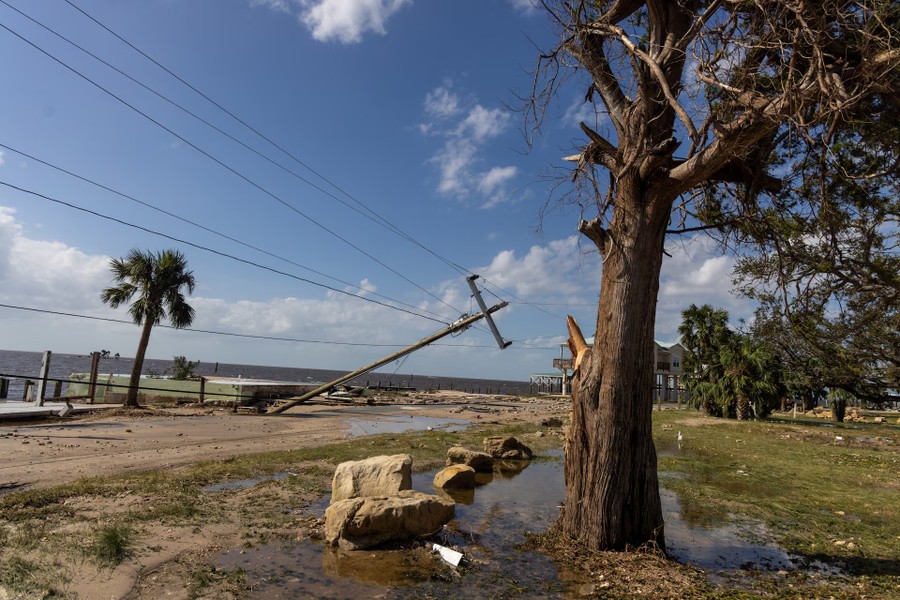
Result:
pixel 680 437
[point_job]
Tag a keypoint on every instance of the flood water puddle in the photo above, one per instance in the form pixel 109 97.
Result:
pixel 488 527
pixel 359 426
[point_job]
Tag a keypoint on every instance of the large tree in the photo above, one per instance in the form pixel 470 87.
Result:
pixel 698 95
pixel 828 281
pixel 157 279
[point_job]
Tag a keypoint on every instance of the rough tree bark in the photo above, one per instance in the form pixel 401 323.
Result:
pixel 634 53
pixel 612 491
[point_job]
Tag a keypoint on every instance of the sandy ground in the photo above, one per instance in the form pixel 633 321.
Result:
pixel 39 454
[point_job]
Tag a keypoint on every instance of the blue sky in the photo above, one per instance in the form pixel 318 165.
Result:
pixel 406 106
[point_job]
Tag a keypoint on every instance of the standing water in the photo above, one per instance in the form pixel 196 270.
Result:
pixel 488 528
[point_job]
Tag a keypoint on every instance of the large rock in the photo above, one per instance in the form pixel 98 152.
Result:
pixel 359 523
pixel 455 477
pixel 376 476
pixel 507 448
pixel 480 461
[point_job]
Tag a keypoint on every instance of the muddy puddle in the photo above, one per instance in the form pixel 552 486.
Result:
pixel 399 423
pixel 372 420
pixel 488 527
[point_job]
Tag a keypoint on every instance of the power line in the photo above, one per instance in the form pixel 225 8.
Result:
pixel 211 250
pixel 224 333
pixel 375 216
pixel 225 166
pixel 203 227
pixel 202 120
pixel 119 386
pixel 242 335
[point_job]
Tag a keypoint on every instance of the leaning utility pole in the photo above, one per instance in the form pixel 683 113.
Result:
pixel 455 327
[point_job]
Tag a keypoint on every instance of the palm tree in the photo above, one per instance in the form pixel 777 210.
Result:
pixel 748 381
pixel 726 373
pixel 704 332
pixel 157 279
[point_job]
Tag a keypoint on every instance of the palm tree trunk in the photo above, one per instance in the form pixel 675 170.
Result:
pixel 131 399
pixel 742 410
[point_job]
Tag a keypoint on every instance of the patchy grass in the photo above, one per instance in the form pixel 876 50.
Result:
pixel 821 498
pixel 28 579
pixel 825 493
pixel 111 544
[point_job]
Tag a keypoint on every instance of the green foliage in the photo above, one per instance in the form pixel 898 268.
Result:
pixel 839 399
pixel 726 373
pixel 156 279
pixel 111 544
pixel 827 273
pixel 183 368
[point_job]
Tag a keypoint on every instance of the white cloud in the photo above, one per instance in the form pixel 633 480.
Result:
pixel 525 6
pixel 482 124
pixel 347 21
pixel 277 5
pixel 1 158
pixel 454 161
pixel 46 274
pixel 495 178
pixel 696 273
pixel 556 270
pixel 441 103
pixel 493 185
pixel 466 132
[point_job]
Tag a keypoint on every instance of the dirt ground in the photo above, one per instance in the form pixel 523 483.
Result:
pixel 38 454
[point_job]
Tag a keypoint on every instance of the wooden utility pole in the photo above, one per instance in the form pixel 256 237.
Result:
pixel 453 328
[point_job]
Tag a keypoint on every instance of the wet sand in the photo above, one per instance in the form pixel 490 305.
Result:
pixel 40 454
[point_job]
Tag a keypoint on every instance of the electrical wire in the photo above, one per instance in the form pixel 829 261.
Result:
pixel 243 335
pixel 378 218
pixel 213 251
pixel 207 229
pixel 224 165
pixel 374 215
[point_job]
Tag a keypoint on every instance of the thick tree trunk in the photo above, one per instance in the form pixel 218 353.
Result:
pixel 838 410
pixel 131 399
pixel 810 401
pixel 612 490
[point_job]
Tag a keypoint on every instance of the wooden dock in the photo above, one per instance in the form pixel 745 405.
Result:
pixel 26 410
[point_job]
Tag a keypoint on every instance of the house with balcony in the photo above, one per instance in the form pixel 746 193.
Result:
pixel 668 385
pixel 667 382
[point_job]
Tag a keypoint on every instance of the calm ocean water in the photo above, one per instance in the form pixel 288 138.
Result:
pixel 19 366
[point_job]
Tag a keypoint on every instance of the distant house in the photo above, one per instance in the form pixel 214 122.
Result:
pixel 667 382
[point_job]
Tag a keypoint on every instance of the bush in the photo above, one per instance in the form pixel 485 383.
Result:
pixel 111 544
pixel 183 368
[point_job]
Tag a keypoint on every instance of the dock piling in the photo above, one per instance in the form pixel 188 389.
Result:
pixel 41 389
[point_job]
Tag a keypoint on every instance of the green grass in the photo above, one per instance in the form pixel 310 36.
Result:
pixel 111 544
pixel 810 489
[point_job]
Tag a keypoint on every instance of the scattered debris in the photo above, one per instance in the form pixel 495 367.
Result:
pixel 448 554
